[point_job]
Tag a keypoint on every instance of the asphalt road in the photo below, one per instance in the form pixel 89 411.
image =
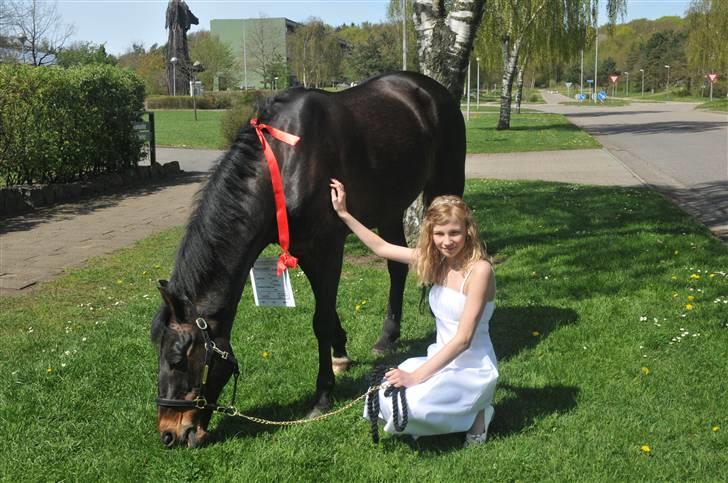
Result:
pixel 681 151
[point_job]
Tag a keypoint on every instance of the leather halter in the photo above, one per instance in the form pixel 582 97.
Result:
pixel 200 402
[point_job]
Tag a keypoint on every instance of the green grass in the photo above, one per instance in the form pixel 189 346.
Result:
pixel 598 353
pixel 715 105
pixel 179 128
pixel 530 131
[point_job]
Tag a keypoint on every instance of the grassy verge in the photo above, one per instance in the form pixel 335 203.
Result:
pixel 178 128
pixel 609 102
pixel 716 105
pixel 610 331
pixel 530 131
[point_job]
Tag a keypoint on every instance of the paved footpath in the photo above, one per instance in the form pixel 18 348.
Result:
pixel 40 245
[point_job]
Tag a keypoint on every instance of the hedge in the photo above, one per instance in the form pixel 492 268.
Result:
pixel 209 100
pixel 60 125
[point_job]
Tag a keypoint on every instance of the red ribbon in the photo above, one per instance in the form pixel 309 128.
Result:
pixel 285 259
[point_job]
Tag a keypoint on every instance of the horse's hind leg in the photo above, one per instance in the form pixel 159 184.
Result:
pixel 393 233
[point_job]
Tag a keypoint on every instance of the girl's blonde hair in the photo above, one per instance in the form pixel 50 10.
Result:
pixel 443 210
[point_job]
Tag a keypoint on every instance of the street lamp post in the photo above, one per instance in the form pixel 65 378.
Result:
pixel 173 61
pixel 467 93
pixel 196 67
pixel 626 90
pixel 667 86
pixel 22 38
pixel 477 86
pixel 643 82
pixel 275 83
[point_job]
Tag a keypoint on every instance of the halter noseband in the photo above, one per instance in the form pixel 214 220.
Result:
pixel 200 402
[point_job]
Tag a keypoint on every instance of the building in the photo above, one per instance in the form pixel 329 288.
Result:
pixel 262 48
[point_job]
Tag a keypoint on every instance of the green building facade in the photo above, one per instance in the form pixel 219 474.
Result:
pixel 262 48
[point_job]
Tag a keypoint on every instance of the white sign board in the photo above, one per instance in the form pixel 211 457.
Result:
pixel 270 290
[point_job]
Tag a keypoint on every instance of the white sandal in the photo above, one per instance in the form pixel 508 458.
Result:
pixel 473 439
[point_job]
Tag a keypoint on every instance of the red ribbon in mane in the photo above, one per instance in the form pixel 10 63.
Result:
pixel 285 259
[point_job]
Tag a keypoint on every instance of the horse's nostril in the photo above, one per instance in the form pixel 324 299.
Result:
pixel 168 439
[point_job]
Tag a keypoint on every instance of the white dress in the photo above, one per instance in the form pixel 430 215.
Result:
pixel 449 401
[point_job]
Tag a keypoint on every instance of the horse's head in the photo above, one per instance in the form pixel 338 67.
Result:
pixel 195 362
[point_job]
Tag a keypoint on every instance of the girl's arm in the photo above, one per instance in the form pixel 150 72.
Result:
pixel 480 279
pixel 374 242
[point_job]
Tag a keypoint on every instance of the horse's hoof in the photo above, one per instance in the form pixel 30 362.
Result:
pixel 315 412
pixel 383 346
pixel 340 364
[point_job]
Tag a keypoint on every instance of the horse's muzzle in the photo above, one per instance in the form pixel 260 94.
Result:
pixel 191 437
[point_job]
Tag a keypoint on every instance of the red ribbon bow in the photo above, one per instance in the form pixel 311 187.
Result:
pixel 285 259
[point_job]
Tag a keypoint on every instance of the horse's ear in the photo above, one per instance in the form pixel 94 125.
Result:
pixel 175 306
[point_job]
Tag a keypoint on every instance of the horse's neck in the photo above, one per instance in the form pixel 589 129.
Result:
pixel 219 249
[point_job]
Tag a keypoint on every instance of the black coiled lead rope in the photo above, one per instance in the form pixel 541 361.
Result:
pixel 398 395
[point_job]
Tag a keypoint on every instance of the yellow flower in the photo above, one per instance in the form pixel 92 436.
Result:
pixel 677 252
pixel 357 307
pixel 691 298
pixel 265 354
pixel 49 370
pixel 715 428
pixel 674 294
pixel 645 449
pixel 535 333
pixel 674 277
pixel 119 282
pixel 363 302
pixel 695 276
pixel 689 307
pixel 711 275
pixel 645 371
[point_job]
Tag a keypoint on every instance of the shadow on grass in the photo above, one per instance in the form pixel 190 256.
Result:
pixel 514 334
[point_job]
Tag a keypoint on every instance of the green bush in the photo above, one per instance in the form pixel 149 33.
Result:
pixel 59 125
pixel 209 100
pixel 235 118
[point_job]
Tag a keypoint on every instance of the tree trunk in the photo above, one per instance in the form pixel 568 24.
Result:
pixel 445 40
pixel 510 63
pixel 444 43
pixel 519 83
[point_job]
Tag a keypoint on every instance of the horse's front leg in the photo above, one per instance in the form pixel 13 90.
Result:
pixel 323 269
pixel 393 233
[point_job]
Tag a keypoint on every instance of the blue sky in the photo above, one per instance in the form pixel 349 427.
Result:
pixel 119 23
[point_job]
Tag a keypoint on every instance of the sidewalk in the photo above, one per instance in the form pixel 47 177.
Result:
pixel 39 246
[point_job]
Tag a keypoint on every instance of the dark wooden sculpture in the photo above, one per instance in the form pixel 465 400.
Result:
pixel 178 21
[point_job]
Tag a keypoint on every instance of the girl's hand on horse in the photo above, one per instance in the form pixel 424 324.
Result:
pixel 338 196
pixel 400 378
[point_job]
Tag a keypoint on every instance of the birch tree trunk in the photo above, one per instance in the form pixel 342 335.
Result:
pixel 444 42
pixel 510 63
pixel 519 83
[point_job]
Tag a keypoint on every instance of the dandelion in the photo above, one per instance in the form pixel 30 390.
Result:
pixel 645 371
pixel 265 354
pixel 715 428
pixel 689 307
pixel 712 275
pixel 119 282
pixel 49 370
pixel 674 277
pixel 691 298
pixel 677 252
pixel 695 276
pixel 645 449
pixel 674 295
pixel 535 333
pixel 357 307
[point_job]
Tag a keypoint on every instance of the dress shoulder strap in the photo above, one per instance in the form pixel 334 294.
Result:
pixel 465 279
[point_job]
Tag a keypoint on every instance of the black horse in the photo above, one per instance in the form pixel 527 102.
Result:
pixel 387 140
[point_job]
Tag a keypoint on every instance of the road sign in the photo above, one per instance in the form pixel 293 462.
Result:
pixel 712 77
pixel 590 81
pixel 613 78
pixel 601 96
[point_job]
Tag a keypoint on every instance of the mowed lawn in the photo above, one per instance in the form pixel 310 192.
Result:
pixel 530 131
pixel 610 329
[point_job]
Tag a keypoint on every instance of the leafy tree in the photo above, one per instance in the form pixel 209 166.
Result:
pixel 148 65
pixel 40 24
pixel 84 53
pixel 216 57
pixel 268 58
pixel 316 53
pixel 707 33
pixel 373 51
